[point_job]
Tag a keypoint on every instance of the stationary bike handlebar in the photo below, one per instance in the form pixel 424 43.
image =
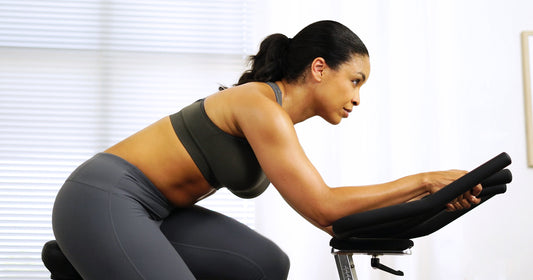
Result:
pixel 424 216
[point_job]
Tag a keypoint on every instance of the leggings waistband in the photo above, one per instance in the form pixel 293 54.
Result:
pixel 113 174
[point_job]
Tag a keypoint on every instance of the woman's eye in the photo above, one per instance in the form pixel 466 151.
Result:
pixel 356 82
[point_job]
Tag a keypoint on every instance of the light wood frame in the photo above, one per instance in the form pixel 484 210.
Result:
pixel 527 66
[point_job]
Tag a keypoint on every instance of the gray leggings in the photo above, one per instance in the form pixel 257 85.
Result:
pixel 111 222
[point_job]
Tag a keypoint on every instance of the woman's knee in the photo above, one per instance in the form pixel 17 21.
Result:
pixel 277 265
pixel 202 236
pixel 271 259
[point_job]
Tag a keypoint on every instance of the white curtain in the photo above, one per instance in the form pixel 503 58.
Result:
pixel 78 76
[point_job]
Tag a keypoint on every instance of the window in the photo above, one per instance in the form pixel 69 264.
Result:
pixel 79 76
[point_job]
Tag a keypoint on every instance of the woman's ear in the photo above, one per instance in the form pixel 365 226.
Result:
pixel 317 68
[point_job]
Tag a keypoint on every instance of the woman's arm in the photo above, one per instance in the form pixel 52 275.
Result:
pixel 271 133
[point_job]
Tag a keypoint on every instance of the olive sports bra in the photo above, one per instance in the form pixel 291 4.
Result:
pixel 223 159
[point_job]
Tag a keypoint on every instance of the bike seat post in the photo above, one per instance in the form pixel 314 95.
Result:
pixel 345 265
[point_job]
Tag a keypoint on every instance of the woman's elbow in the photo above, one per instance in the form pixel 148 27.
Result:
pixel 325 216
pixel 326 210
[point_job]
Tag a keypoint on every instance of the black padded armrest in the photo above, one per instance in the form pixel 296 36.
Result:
pixel 397 220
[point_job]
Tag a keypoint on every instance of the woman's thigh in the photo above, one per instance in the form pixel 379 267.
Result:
pixel 111 236
pixel 215 246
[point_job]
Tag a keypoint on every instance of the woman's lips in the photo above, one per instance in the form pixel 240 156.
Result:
pixel 347 112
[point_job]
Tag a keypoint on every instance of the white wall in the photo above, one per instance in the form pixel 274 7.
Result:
pixel 445 92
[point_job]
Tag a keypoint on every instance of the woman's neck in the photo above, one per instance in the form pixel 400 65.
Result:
pixel 298 101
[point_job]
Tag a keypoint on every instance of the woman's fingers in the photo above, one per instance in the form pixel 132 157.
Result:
pixel 476 190
pixel 464 201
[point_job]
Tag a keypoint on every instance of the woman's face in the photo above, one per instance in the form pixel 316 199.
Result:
pixel 339 90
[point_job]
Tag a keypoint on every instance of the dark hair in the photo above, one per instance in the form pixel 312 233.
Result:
pixel 282 58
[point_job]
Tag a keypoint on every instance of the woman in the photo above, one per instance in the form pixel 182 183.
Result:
pixel 129 213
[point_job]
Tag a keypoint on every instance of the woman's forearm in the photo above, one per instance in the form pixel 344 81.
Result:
pixel 348 200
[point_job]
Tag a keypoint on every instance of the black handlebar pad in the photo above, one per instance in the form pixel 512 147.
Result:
pixel 422 224
pixel 422 217
pixel 444 217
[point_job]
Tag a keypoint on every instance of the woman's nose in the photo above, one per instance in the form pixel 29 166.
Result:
pixel 355 99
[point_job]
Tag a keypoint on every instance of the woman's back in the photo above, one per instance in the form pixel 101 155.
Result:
pixel 168 162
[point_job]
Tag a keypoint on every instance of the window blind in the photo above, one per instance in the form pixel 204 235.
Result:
pixel 79 76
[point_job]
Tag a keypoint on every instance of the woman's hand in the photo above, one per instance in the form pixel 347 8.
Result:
pixel 437 180
pixel 465 200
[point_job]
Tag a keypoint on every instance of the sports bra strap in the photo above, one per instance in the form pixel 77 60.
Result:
pixel 277 91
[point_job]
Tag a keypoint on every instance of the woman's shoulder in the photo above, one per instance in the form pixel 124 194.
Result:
pixel 251 96
pixel 256 98
pixel 254 90
pixel 246 107
pixel 260 115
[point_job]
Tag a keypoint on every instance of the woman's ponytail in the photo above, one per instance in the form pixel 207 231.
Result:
pixel 270 62
pixel 282 58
